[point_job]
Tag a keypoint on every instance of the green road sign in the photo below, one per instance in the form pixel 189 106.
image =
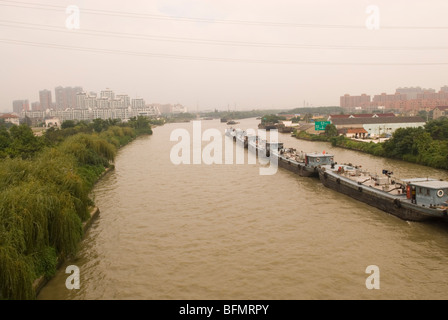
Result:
pixel 321 125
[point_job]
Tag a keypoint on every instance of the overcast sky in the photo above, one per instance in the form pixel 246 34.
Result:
pixel 215 53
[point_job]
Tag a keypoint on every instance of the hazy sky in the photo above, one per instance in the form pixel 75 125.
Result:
pixel 211 53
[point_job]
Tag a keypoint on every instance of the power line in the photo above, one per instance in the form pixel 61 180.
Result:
pixel 214 59
pixel 28 5
pixel 91 32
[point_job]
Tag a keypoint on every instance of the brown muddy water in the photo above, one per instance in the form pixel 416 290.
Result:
pixel 227 232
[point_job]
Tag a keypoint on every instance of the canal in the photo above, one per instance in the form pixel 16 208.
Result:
pixel 170 231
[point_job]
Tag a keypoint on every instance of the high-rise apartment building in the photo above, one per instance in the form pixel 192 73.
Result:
pixel 126 100
pixel 81 98
pixel 107 94
pixel 66 97
pixel 20 105
pixel 413 92
pixel 411 99
pixel 352 102
pixel 138 103
pixel 46 102
pixel 102 103
pixel 35 106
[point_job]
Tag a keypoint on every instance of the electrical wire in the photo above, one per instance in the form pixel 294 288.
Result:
pixel 215 59
pixel 91 32
pixel 49 7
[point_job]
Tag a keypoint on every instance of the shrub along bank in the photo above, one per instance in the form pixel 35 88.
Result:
pixel 44 198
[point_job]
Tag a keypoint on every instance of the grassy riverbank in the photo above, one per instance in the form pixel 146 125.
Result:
pixel 45 184
pixel 426 146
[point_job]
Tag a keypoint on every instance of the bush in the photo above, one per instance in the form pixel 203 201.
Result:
pixel 44 196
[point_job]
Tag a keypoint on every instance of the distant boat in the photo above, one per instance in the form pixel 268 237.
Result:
pixel 284 129
pixel 267 126
pixel 224 120
pixel 231 133
pixel 258 118
pixel 231 122
pixel 208 118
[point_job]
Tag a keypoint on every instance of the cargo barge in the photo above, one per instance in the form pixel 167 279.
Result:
pixel 417 199
pixel 303 164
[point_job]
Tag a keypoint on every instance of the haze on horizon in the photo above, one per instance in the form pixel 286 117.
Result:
pixel 210 54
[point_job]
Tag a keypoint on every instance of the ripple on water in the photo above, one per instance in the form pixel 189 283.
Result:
pixel 225 232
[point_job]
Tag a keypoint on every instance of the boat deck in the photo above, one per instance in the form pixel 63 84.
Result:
pixel 365 178
pixel 289 154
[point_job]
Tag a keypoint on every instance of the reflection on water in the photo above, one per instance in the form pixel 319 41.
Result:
pixel 225 232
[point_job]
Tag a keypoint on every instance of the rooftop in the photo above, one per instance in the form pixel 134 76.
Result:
pixel 418 180
pixel 322 154
pixel 8 116
pixel 441 108
pixel 362 115
pixel 378 120
pixel 353 130
pixel 434 184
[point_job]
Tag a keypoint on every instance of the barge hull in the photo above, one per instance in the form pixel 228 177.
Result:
pixel 296 168
pixel 362 193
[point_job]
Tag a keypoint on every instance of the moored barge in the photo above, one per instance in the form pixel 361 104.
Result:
pixel 303 164
pixel 416 199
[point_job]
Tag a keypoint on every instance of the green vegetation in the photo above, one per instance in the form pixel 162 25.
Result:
pixel 271 118
pixel 238 114
pixel 331 130
pixel 312 137
pixel 44 195
pixel 180 117
pixel 418 145
pixel 295 119
pixel 68 124
pixel 141 125
pixel 438 129
pixel 427 146
pixel 317 110
pixel 367 147
pixel 19 141
pixel 235 115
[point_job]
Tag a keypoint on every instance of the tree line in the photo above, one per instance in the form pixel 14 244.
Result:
pixel 45 183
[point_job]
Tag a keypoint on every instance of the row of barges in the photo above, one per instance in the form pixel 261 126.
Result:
pixel 415 199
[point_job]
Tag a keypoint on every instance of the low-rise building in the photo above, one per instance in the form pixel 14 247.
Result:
pixel 309 128
pixel 360 115
pixel 53 123
pixel 10 118
pixel 378 126
pixel 441 111
pixel 353 132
